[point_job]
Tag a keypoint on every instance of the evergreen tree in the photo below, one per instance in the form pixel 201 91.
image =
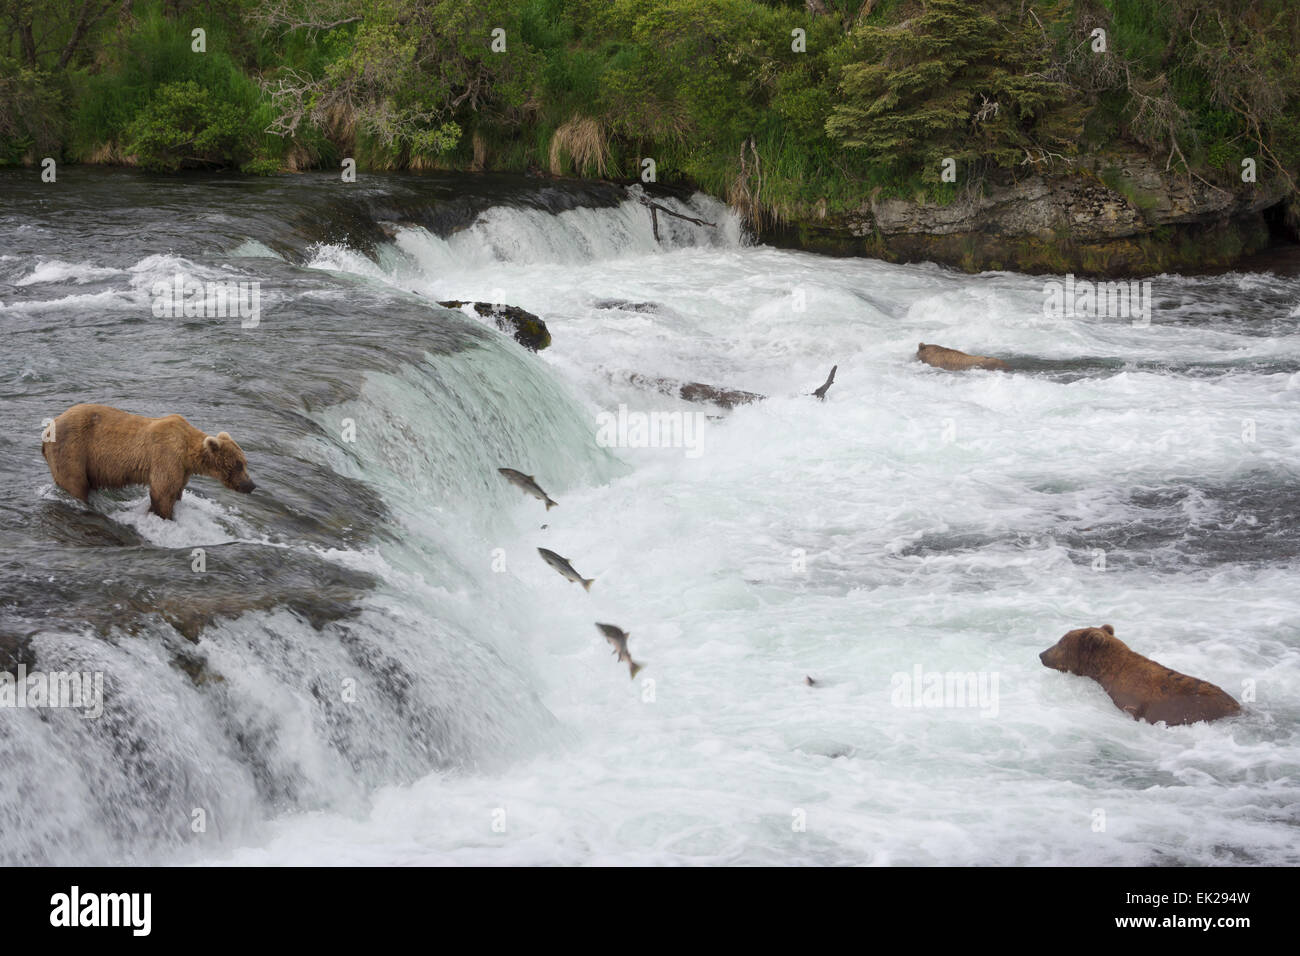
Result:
pixel 954 79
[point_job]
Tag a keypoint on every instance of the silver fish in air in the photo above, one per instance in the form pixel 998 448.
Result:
pixel 528 484
pixel 564 567
pixel 617 638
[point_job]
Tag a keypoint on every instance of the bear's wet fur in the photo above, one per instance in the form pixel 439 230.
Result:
pixel 95 446
pixel 1138 685
pixel 955 361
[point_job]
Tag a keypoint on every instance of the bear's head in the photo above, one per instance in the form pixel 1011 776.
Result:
pixel 1082 651
pixel 225 461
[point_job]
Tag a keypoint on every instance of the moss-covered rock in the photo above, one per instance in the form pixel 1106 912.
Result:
pixel 528 329
pixel 1121 215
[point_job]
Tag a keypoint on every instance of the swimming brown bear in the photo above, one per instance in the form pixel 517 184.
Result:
pixel 1138 685
pixel 955 361
pixel 94 446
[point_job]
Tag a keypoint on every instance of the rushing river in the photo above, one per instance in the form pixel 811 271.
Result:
pixel 365 661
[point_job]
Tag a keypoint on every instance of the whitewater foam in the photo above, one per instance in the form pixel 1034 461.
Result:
pixel 791 548
pixel 915 518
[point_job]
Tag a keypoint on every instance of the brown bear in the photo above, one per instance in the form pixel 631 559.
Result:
pixel 955 361
pixel 1138 685
pixel 94 446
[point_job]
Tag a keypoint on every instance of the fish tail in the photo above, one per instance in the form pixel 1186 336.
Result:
pixel 550 504
pixel 587 583
pixel 634 667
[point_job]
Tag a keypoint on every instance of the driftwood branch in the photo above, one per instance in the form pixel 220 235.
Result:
pixel 655 209
pixel 830 380
pixel 319 16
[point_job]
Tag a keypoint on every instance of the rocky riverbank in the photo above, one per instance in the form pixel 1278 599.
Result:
pixel 1119 216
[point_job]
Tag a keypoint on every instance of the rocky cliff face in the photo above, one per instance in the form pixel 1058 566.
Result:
pixel 1118 216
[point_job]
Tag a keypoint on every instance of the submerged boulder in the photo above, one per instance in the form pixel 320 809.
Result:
pixel 626 305
pixel 697 391
pixel 528 329
pixel 144 588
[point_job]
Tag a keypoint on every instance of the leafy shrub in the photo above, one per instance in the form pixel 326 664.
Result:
pixel 185 126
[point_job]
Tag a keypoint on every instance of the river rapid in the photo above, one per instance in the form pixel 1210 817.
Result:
pixel 373 665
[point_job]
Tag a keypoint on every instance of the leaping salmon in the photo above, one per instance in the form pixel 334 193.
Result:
pixel 528 484
pixel 565 568
pixel 617 638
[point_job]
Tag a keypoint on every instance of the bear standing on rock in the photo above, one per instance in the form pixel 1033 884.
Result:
pixel 1138 685
pixel 94 446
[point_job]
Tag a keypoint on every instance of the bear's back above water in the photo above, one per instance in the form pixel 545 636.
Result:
pixel 95 446
pixel 1138 685
pixel 955 361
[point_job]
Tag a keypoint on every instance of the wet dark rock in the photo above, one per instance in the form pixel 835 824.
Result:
pixel 15 649
pixel 196 668
pixel 125 588
pixel 528 329
pixel 625 305
pixel 72 524
pixel 697 391
pixel 366 215
pixel 1120 215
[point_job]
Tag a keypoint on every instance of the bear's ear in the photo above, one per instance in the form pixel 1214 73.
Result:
pixel 210 443
pixel 1108 629
pixel 223 436
pixel 1091 642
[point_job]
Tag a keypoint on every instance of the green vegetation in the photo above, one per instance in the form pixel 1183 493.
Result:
pixel 968 82
pixel 1115 180
pixel 183 125
pixel 789 109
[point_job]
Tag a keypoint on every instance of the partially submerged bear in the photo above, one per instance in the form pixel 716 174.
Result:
pixel 955 361
pixel 1138 685
pixel 94 446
